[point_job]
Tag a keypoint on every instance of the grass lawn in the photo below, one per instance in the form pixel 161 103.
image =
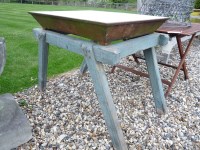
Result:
pixel 21 67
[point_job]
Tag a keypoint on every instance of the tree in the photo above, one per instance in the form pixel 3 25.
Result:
pixel 197 4
pixel 120 1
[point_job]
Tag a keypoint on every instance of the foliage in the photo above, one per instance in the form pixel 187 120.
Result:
pixel 197 4
pixel 120 1
pixel 123 1
pixel 21 67
pixel 97 1
pixel 23 103
pixel 69 0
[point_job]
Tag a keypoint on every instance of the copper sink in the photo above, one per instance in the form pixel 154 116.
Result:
pixel 99 26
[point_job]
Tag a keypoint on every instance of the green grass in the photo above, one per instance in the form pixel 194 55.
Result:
pixel 21 67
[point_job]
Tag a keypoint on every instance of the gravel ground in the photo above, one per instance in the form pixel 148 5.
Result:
pixel 68 116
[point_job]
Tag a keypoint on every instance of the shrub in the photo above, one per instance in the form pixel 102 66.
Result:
pixel 197 4
pixel 119 1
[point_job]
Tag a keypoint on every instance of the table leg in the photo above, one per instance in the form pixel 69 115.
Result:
pixel 105 99
pixel 180 65
pixel 43 61
pixel 156 84
pixel 113 69
pixel 135 58
pixel 83 68
pixel 180 48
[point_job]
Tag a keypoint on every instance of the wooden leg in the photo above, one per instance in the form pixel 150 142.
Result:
pixel 43 61
pixel 113 69
pixel 180 65
pixel 83 68
pixel 156 84
pixel 180 48
pixel 2 54
pixel 105 99
pixel 135 58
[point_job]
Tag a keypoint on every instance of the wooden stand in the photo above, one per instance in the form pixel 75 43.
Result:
pixel 94 57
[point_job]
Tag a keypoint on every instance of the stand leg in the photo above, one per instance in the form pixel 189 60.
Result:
pixel 43 61
pixel 83 68
pixel 113 69
pixel 2 54
pixel 156 84
pixel 135 58
pixel 180 65
pixel 180 48
pixel 105 99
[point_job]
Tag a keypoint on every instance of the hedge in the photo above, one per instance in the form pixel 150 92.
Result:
pixel 197 4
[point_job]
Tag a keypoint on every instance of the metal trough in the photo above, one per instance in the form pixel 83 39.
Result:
pixel 99 26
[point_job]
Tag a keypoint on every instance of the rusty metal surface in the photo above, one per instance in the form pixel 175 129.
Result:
pixel 184 31
pixel 102 33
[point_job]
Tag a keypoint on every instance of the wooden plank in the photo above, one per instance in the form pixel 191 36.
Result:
pixel 105 99
pixel 43 47
pixel 183 31
pixel 63 41
pixel 111 54
pixel 106 54
pixel 167 48
pixel 74 45
pixel 129 47
pixel 2 54
pixel 156 84
pixel 83 68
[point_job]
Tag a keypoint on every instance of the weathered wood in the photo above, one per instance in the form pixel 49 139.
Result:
pixel 63 41
pixel 105 99
pixel 2 54
pixel 111 54
pixel 95 55
pixel 180 65
pixel 106 54
pixel 83 68
pixel 129 47
pixel 167 48
pixel 43 60
pixel 156 84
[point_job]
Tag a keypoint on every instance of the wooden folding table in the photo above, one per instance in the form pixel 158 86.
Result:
pixel 179 33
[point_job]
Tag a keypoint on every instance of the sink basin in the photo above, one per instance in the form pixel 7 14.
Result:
pixel 99 26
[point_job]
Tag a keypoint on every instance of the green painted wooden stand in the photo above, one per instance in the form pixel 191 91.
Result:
pixel 95 56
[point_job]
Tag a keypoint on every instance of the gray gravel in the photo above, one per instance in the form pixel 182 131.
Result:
pixel 68 116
